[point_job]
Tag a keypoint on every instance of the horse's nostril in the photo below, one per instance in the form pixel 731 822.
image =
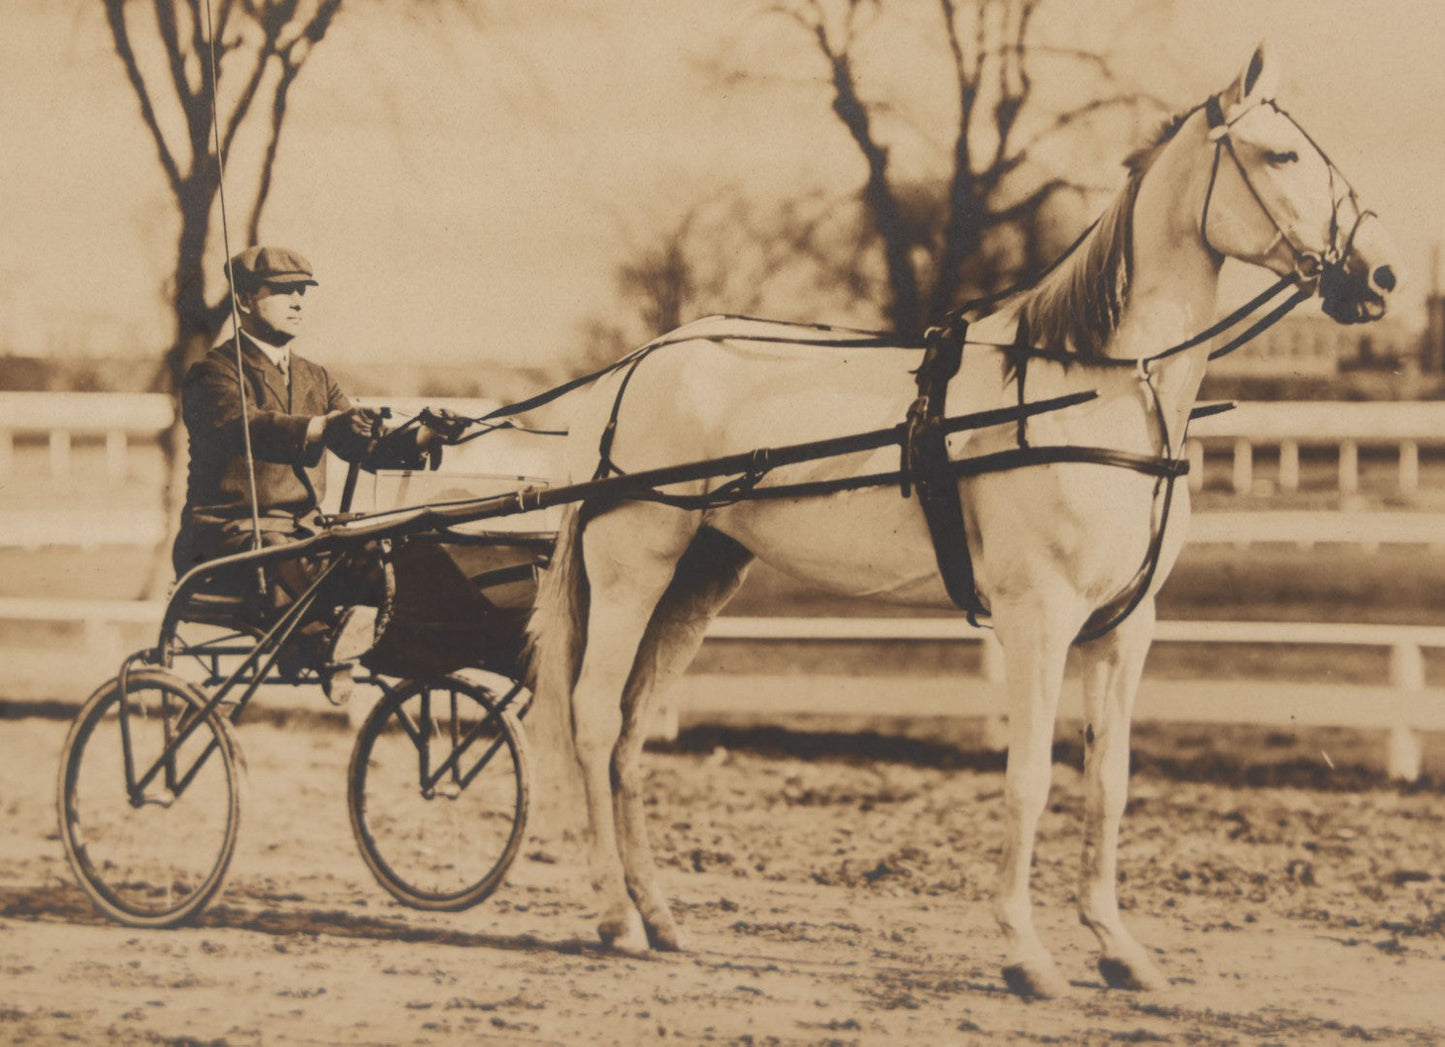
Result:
pixel 1384 278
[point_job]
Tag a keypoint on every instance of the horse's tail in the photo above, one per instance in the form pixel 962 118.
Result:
pixel 556 641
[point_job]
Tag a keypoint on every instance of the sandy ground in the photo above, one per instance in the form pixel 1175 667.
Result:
pixel 831 900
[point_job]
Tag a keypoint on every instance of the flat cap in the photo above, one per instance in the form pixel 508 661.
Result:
pixel 256 266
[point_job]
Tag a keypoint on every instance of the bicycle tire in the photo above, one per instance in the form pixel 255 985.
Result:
pixel 157 860
pixel 413 836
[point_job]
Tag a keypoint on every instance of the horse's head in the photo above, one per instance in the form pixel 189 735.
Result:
pixel 1275 199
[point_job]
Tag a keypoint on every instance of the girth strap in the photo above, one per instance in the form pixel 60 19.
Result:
pixel 926 468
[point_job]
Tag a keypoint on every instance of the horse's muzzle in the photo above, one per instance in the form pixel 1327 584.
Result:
pixel 1357 289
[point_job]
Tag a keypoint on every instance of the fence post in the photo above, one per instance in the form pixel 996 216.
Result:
pixel 1289 465
pixel 1195 450
pixel 60 454
pixel 1349 467
pixel 1403 752
pixel 102 639
pixel 116 466
pixel 1243 466
pixel 1409 467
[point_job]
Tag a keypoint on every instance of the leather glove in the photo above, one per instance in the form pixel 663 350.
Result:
pixel 349 432
pixel 447 425
pixel 439 428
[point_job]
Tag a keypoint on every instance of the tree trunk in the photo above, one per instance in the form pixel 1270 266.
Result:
pixel 197 324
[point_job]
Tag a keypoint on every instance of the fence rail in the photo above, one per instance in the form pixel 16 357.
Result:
pixel 144 528
pixel 1403 703
pixel 128 422
pixel 1405 426
pixel 129 419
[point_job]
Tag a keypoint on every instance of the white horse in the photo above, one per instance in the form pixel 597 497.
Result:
pixel 627 600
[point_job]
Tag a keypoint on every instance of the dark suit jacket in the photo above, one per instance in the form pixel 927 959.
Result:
pixel 290 476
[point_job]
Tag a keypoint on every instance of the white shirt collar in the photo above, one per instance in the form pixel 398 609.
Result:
pixel 280 355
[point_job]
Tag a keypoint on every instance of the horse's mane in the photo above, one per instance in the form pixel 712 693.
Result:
pixel 1076 308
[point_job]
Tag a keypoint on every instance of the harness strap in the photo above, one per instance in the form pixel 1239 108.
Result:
pixel 1268 320
pixel 1067 454
pixel 925 466
pixel 745 488
pixel 1020 360
pixel 1224 323
pixel 605 465
pixel 1111 614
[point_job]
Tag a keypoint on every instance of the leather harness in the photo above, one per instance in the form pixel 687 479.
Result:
pixel 927 469
pixel 925 466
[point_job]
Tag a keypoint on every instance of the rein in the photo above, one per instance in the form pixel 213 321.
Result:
pixel 924 463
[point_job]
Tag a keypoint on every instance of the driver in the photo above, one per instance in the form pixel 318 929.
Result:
pixel 295 411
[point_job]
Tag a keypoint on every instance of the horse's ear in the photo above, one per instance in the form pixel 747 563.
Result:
pixel 1256 84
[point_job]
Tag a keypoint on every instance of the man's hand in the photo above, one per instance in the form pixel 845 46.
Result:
pixel 446 425
pixel 349 432
pixel 439 427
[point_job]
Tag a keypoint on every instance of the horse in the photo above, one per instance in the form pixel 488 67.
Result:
pixel 634 582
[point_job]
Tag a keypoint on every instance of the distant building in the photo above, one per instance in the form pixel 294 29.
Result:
pixel 1432 347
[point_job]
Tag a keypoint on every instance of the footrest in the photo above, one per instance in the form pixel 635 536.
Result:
pixel 228 611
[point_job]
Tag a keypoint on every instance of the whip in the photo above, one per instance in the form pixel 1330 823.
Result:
pixel 231 297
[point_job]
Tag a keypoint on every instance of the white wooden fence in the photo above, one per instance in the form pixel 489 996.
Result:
pixel 121 419
pixel 1402 703
pixel 126 422
pixel 1346 427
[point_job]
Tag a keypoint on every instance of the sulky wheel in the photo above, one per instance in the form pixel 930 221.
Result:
pixel 150 823
pixel 437 790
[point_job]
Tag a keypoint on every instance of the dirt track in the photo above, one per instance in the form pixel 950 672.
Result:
pixel 828 901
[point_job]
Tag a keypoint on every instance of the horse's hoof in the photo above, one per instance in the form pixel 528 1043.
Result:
pixel 1034 981
pixel 668 938
pixel 1137 975
pixel 624 935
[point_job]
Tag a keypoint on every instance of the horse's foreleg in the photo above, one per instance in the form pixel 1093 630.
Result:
pixel 630 559
pixel 1035 640
pixel 706 578
pixel 1112 667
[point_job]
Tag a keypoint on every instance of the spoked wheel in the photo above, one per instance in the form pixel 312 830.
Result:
pixel 150 825
pixel 438 792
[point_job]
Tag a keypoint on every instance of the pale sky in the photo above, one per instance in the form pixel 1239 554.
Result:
pixel 475 205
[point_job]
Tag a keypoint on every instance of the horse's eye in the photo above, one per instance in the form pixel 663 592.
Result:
pixel 1276 159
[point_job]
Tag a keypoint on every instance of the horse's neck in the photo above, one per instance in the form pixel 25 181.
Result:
pixel 1174 282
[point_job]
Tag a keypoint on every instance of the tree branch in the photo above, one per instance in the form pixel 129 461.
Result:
pixel 176 60
pixel 120 33
pixel 1014 88
pixel 238 113
pixel 289 72
pixel 1065 119
pixel 1030 204
pixel 293 57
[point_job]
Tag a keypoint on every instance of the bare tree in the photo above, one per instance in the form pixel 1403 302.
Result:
pixel 166 50
pixel 727 254
pixel 928 232
pixel 204 70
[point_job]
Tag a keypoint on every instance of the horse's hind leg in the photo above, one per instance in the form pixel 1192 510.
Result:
pixel 1035 638
pixel 630 554
pixel 707 576
pixel 1112 667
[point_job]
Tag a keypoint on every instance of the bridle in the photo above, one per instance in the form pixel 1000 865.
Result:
pixel 1309 265
pixel 1321 270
